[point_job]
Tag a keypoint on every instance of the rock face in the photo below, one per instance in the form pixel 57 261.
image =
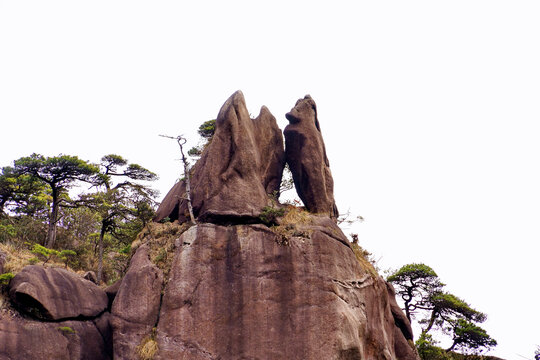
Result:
pixel 51 295
pixel 56 294
pixel 306 155
pixel 236 289
pixel 402 345
pixel 34 340
pixel 136 305
pixel 241 166
pixel 26 339
pixel 238 292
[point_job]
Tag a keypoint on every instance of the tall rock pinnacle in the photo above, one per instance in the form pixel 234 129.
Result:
pixel 306 155
pixel 241 166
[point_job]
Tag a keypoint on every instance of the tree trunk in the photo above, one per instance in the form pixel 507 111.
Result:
pixel 100 256
pixel 181 142
pixel 2 204
pixel 407 311
pixel 408 302
pixel 431 322
pixel 53 216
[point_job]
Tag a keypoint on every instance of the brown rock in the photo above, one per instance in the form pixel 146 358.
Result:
pixel 399 317
pixel 404 344
pixel 236 293
pixel 103 325
pixel 306 155
pixel 56 294
pixel 136 306
pixel 90 276
pixel 26 339
pixel 111 291
pixel 241 166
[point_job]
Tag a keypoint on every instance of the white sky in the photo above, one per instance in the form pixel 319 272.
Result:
pixel 429 109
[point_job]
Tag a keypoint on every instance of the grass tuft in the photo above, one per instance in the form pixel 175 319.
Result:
pixel 296 215
pixel 161 238
pixel 148 349
pixel 363 257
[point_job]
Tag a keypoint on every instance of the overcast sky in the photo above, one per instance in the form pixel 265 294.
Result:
pixel 429 109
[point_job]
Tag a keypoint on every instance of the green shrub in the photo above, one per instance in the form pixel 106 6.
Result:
pixel 66 256
pixel 7 232
pixel 5 278
pixel 45 253
pixel 428 350
pixel 270 214
pixel 66 329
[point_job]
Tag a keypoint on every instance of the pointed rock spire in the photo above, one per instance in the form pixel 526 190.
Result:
pixel 306 155
pixel 241 166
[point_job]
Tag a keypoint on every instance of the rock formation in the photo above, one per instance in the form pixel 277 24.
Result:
pixel 231 287
pixel 27 339
pixel 136 306
pixel 42 292
pixel 306 155
pixel 237 171
pixel 239 293
pixel 63 317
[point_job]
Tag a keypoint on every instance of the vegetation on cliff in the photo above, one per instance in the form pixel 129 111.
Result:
pixel 426 301
pixel 81 214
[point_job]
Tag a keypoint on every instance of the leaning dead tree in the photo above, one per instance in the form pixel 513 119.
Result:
pixel 181 140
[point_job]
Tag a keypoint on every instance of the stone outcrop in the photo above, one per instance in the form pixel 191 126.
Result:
pixel 402 327
pixel 294 292
pixel 56 294
pixel 26 339
pixel 90 276
pixel 136 305
pixel 235 288
pixel 237 171
pixel 65 317
pixel 306 155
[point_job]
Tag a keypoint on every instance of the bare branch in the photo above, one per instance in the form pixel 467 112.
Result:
pixel 181 140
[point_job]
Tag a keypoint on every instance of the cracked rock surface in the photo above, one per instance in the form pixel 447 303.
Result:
pixel 238 170
pixel 56 294
pixel 136 306
pixel 306 155
pixel 236 292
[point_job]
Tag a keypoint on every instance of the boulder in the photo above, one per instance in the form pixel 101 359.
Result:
pixel 237 292
pixel 136 306
pixel 90 276
pixel 239 169
pixel 56 294
pixel 27 339
pixel 306 155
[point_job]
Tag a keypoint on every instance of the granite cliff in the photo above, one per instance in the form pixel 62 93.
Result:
pixel 254 279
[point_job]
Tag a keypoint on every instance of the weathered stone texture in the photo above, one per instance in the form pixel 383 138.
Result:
pixel 235 293
pixel 136 305
pixel 306 155
pixel 241 166
pixel 24 339
pixel 56 294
